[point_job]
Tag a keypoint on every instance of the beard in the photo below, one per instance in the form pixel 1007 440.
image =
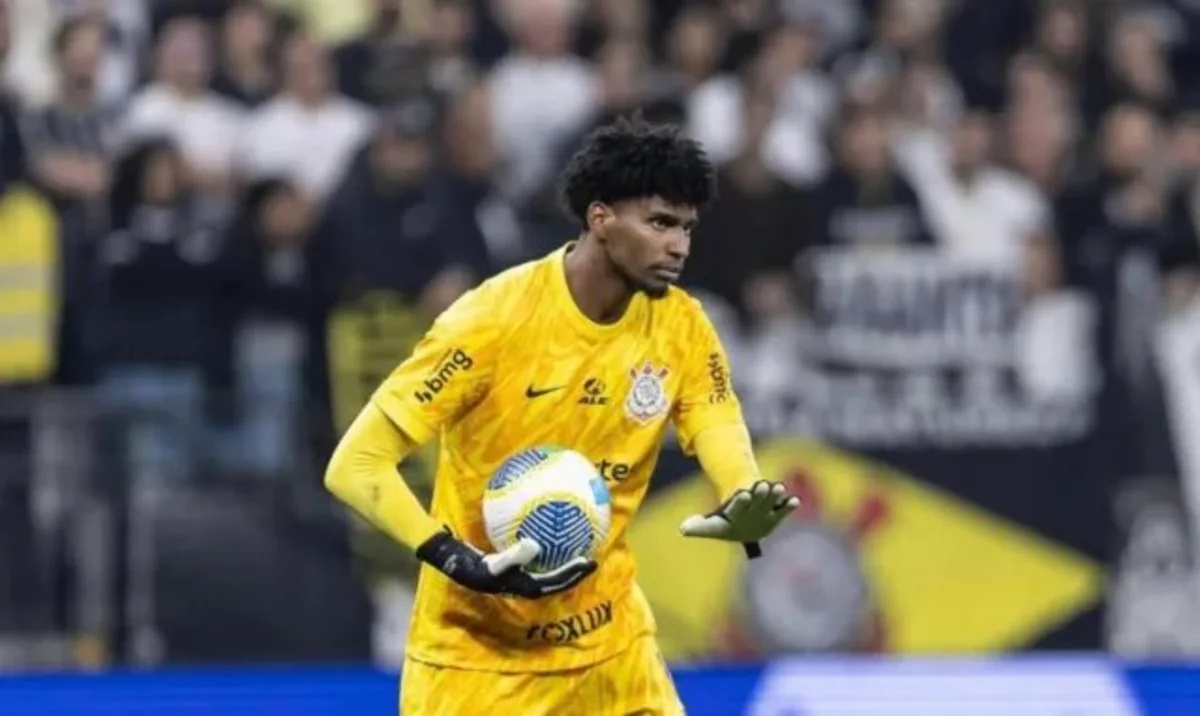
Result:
pixel 653 291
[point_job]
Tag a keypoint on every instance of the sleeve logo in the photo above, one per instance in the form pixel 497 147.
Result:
pixel 453 362
pixel 719 393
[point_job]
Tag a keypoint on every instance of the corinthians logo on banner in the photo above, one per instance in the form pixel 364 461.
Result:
pixel 875 562
pixel 809 593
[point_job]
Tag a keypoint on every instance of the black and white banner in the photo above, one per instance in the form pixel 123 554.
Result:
pixel 908 349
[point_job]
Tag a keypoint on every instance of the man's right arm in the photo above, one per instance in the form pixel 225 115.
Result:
pixel 362 474
pixel 449 371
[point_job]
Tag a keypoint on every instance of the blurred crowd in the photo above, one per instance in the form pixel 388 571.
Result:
pixel 200 186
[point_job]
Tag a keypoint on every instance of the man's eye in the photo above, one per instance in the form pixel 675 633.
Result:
pixel 660 224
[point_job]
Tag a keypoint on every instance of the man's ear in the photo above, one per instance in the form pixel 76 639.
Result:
pixel 599 216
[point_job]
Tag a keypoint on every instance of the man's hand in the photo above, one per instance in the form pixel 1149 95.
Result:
pixel 748 516
pixel 500 573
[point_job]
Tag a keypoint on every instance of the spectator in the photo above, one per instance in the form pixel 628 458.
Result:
pixel 541 93
pixel 450 68
pixel 1113 230
pixel 273 321
pixel 32 72
pixel 159 318
pixel 793 147
pixel 70 141
pixel 70 144
pixel 179 105
pixel 975 209
pixel 1034 83
pixel 308 113
pixel 608 21
pixel 695 48
pixel 1062 37
pixel 391 226
pixel 768 216
pixel 906 30
pixel 383 64
pixel 748 22
pixel 1038 143
pixel 1138 65
pixel 246 73
pixel 127 24
pixel 865 201
pixel 470 171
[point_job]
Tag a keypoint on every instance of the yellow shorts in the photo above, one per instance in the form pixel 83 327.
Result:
pixel 633 683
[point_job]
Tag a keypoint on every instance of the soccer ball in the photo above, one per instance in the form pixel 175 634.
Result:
pixel 554 496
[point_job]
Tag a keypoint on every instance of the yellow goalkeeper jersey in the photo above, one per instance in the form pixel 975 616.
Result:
pixel 515 364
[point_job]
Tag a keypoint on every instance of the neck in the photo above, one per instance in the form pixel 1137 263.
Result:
pixel 965 174
pixel 185 91
pixel 245 65
pixel 308 101
pixel 596 287
pixel 751 174
pixel 75 96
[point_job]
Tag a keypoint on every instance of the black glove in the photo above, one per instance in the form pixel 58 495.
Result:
pixel 500 573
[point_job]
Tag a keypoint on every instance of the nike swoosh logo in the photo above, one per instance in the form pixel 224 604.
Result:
pixel 530 392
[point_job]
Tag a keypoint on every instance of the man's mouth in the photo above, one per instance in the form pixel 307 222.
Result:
pixel 668 273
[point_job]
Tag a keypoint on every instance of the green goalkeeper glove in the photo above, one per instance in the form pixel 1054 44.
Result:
pixel 748 516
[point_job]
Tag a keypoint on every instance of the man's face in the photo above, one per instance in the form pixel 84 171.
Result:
pixel 1129 136
pixel 183 54
pixel 972 142
pixel 82 54
pixel 307 70
pixel 865 146
pixel 647 240
pixel 400 161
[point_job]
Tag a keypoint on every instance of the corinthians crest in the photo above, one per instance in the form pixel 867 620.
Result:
pixel 809 592
pixel 647 397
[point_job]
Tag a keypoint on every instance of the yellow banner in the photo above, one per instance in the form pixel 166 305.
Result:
pixel 875 561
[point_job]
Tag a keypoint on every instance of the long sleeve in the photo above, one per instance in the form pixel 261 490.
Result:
pixel 363 474
pixel 727 457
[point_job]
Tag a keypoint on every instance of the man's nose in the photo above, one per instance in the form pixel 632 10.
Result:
pixel 679 245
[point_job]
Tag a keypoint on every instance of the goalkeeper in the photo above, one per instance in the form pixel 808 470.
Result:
pixel 593 348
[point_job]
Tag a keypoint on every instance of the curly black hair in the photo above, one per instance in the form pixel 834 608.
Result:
pixel 632 159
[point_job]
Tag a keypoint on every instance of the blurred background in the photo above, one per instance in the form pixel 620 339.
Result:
pixel 955 261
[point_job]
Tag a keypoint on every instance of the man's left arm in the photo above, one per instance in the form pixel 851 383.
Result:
pixel 708 418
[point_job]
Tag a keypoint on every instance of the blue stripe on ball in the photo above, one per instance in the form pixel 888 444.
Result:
pixel 517 466
pixel 563 531
pixel 599 491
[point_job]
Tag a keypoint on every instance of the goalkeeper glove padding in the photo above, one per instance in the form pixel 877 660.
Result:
pixel 748 516
pixel 500 573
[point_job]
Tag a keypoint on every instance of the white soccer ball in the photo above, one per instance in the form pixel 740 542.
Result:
pixel 554 496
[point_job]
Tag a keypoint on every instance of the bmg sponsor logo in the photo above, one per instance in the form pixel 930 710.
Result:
pixel 573 627
pixel 455 361
pixel 719 375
